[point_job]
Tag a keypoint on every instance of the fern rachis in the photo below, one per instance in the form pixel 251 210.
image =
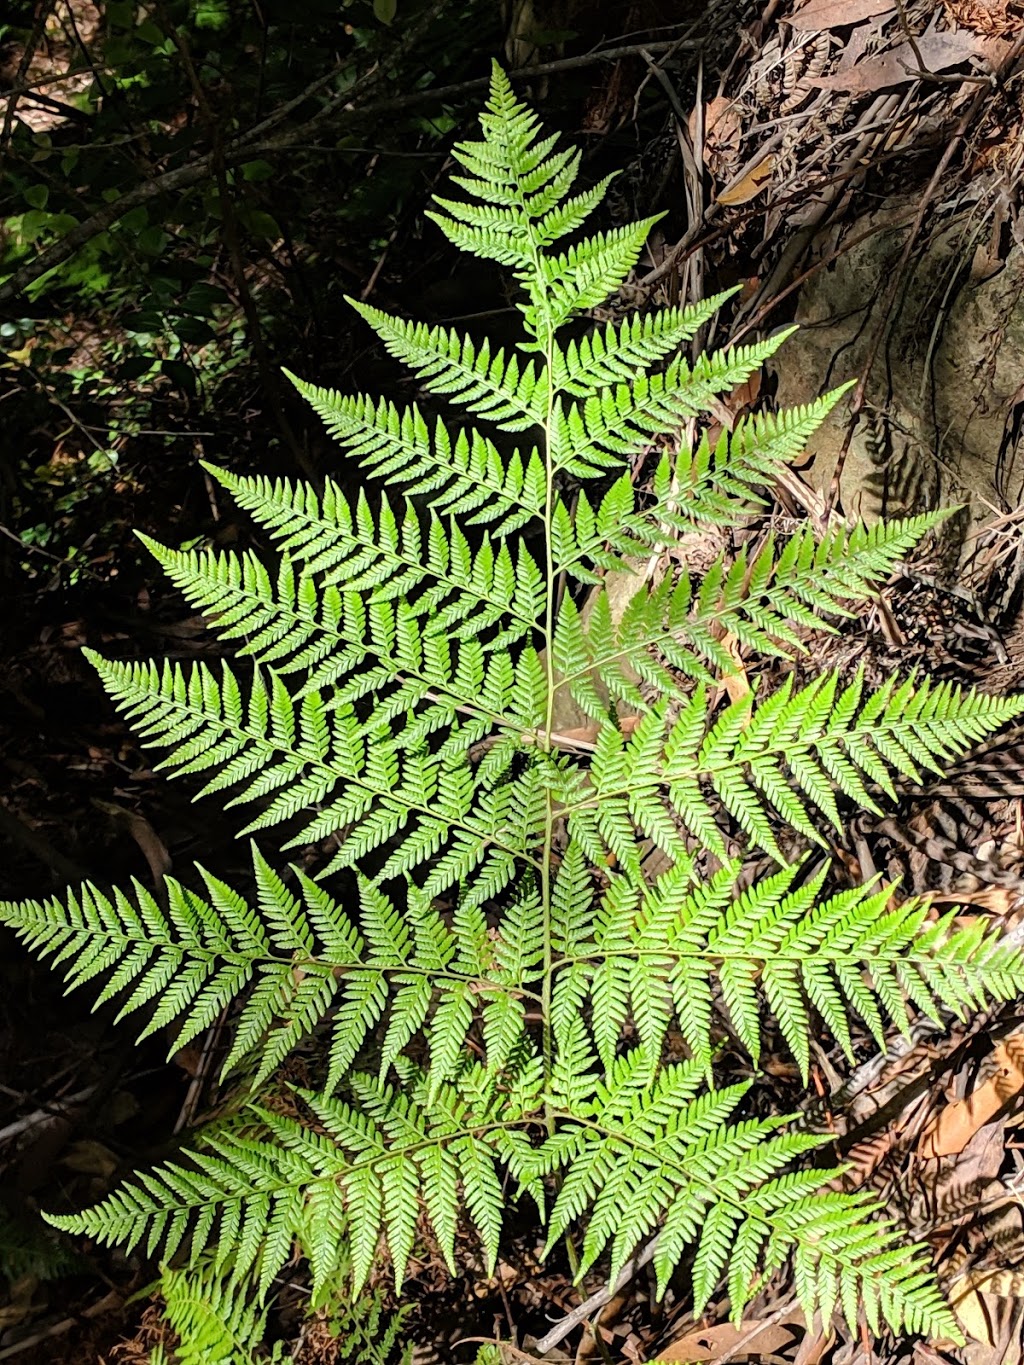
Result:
pixel 496 995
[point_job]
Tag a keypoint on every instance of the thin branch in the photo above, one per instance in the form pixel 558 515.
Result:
pixel 344 105
pixel 590 1306
pixel 35 38
pixel 270 377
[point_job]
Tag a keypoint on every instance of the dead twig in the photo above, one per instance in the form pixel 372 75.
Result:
pixel 603 1296
pixel 739 1347
pixel 29 51
pixel 56 1109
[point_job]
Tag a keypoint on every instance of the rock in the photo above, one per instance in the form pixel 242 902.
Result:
pixel 938 427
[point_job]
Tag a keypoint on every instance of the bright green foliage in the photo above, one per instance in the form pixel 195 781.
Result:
pixel 790 755
pixel 214 1323
pixel 652 954
pixel 656 954
pixel 217 1320
pixel 490 1355
pixel 500 987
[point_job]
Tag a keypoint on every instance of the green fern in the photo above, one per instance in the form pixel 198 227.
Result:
pixel 494 991
pixel 29 1247
pixel 213 1322
pixel 217 1320
pixel 490 1355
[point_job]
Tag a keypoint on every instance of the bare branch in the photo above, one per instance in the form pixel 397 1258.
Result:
pixel 345 106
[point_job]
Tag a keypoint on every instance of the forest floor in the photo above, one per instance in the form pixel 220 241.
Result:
pixel 839 152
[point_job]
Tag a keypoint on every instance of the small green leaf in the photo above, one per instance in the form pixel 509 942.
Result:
pixel 193 331
pixel 260 224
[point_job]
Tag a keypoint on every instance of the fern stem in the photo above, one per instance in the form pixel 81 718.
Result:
pixel 550 614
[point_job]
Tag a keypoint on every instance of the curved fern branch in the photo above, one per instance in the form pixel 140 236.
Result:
pixel 787 756
pixel 325 634
pixel 654 954
pixel 458 478
pixel 378 974
pixel 762 602
pixel 302 752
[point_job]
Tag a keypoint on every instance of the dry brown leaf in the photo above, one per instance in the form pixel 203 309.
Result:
pixel 736 683
pixel 997 18
pixel 717 120
pixel 999 900
pixel 956 1186
pixel 979 1319
pixel 952 1129
pixel 938 51
pixel 864 1158
pixel 726 409
pixel 722 132
pixel 819 14
pixel 744 396
pixel 709 1343
pixel 750 185
pixel 973 1316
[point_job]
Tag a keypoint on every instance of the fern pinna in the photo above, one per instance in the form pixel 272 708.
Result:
pixel 511 1006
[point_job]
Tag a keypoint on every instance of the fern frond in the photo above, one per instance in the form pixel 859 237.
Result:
pixel 658 1155
pixel 788 756
pixel 584 276
pixel 465 477
pixel 762 601
pixel 508 968
pixel 712 485
pixel 620 354
pixel 328 631
pixel 234 1200
pixel 524 188
pixel 657 953
pixel 246 1198
pixel 215 1320
pixel 511 395
pixel 642 1152
pixel 614 426
pixel 302 753
pixel 300 961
